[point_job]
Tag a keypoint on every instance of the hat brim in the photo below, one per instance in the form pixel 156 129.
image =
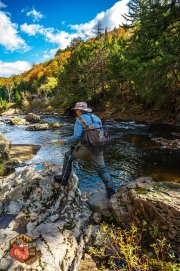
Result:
pixel 83 109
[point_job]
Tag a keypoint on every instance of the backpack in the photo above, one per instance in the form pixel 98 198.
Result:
pixel 94 135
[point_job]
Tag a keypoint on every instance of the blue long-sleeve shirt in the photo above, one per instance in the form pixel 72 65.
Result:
pixel 78 127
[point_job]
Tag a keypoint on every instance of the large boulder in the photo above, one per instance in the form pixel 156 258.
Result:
pixel 155 202
pixel 32 118
pixel 38 127
pixel 172 144
pixel 11 111
pixel 16 121
pixel 5 146
pixel 99 203
pixel 43 126
pixel 143 199
pixel 52 214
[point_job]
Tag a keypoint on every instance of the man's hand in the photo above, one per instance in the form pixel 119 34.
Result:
pixel 55 141
pixel 62 142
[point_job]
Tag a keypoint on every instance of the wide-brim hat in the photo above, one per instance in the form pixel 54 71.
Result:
pixel 82 106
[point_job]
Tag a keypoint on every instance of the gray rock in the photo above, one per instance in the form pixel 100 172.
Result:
pixel 32 118
pixel 99 202
pixel 151 201
pixel 6 263
pixel 52 214
pixel 38 127
pixel 16 121
pixel 60 220
pixel 58 246
pixel 97 217
pixel 14 207
pixel 5 145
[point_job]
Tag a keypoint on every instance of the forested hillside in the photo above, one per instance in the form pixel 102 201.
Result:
pixel 137 63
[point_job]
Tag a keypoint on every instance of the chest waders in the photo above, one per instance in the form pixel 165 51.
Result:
pixel 97 160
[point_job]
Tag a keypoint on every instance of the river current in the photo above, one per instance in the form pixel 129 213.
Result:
pixel 132 154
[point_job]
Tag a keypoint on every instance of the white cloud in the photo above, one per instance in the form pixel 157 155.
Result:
pixel 31 29
pixel 49 54
pixel 51 35
pixel 61 38
pixel 36 15
pixel 110 19
pixel 113 17
pixel 9 37
pixel 24 10
pixel 2 5
pixel 13 68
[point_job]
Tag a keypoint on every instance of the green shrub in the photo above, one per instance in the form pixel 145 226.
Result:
pixel 18 98
pixel 133 250
pixel 25 105
pixel 3 104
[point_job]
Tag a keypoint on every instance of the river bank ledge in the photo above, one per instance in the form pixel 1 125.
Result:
pixel 65 224
pixel 122 111
pixel 140 114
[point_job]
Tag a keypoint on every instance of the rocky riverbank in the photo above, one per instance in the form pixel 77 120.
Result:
pixel 55 216
pixel 123 111
pixel 64 224
pixel 23 152
pixel 12 155
pixel 138 112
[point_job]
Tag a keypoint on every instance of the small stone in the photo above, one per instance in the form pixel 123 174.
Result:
pixel 97 217
pixel 14 207
pixel 53 218
pixel 5 263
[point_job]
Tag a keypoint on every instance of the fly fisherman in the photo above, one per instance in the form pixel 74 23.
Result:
pixel 79 150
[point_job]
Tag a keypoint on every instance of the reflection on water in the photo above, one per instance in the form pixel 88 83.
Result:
pixel 132 153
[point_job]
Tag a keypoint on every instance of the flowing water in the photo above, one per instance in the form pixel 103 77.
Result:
pixel 132 154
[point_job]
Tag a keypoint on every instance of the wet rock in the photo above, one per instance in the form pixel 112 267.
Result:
pixel 38 127
pixel 1 121
pixel 5 146
pixel 43 126
pixel 10 165
pixel 13 162
pixel 167 143
pixel 32 118
pixel 16 121
pixel 175 134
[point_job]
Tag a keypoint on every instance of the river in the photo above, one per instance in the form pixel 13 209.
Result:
pixel 132 154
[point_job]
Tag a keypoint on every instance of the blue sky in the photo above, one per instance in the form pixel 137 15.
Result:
pixel 31 31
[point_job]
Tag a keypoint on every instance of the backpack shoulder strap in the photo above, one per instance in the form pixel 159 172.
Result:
pixel 92 118
pixel 83 122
